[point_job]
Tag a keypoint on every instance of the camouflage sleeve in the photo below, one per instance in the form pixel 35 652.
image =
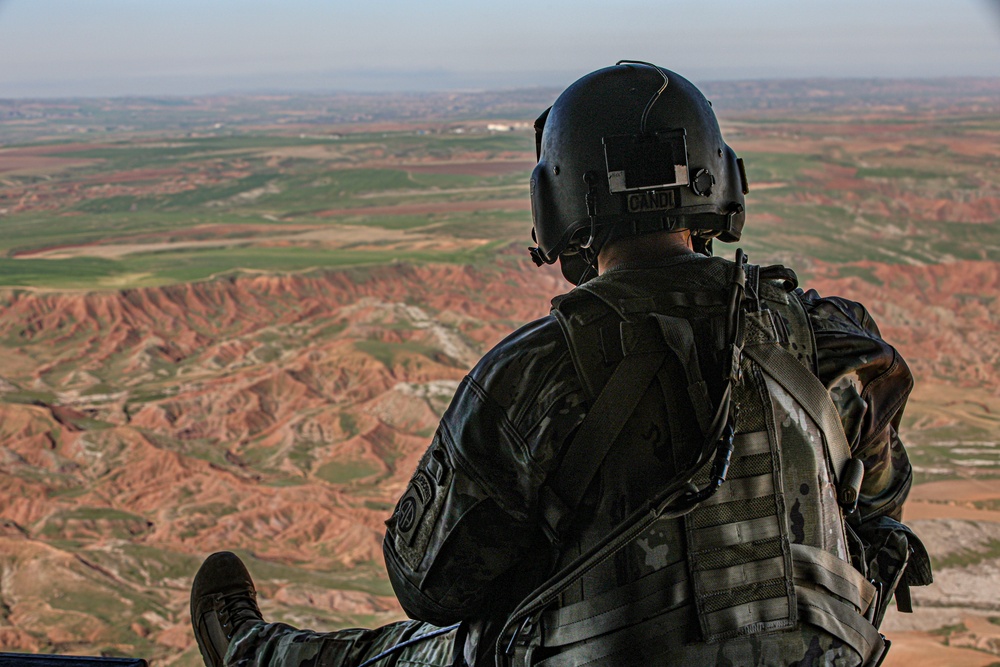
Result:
pixel 463 541
pixel 869 383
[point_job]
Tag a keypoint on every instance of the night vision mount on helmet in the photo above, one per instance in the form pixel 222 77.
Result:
pixel 628 150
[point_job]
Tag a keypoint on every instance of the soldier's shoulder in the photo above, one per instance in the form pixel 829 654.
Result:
pixel 527 372
pixel 837 313
pixel 512 413
pixel 540 341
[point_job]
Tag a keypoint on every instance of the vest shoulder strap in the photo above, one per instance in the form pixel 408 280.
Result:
pixel 642 356
pixel 617 352
pixel 786 370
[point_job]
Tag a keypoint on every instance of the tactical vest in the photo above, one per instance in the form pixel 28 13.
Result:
pixel 765 554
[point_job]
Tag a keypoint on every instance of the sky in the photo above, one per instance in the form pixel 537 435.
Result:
pixel 51 48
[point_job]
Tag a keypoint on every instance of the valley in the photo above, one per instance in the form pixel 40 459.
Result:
pixel 234 323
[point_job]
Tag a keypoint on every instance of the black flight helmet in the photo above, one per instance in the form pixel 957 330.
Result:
pixel 627 150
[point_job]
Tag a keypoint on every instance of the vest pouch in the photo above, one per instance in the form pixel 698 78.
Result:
pixel 896 559
pixel 738 552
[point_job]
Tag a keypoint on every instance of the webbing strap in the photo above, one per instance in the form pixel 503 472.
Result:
pixel 841 620
pixel 628 645
pixel 679 337
pixel 810 393
pixel 730 534
pixel 596 434
pixel 667 589
pixel 726 580
pixel 733 511
pixel 764 615
pixel 839 577
pixel 745 488
pixel 627 605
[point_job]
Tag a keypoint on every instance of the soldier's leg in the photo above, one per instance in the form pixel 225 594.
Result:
pixel 279 645
pixel 230 630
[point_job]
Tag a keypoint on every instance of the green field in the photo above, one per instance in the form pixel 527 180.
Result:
pixel 238 206
pixel 254 194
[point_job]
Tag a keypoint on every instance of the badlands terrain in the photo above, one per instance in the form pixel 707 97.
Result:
pixel 233 323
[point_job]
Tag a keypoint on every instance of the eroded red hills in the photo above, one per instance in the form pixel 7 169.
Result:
pixel 942 317
pixel 282 415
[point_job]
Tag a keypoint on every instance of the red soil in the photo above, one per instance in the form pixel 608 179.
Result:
pixel 941 317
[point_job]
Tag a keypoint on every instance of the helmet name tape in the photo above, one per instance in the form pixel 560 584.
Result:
pixel 650 200
pixel 646 161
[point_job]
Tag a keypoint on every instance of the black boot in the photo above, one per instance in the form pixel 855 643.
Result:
pixel 222 600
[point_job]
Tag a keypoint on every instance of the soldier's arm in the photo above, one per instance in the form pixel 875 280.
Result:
pixel 449 541
pixel 869 383
pixel 464 539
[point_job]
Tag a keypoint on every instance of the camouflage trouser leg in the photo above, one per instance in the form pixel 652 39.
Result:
pixel 280 645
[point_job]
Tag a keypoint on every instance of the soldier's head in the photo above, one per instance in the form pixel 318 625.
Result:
pixel 628 150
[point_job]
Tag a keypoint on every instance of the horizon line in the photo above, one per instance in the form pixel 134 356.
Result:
pixel 317 91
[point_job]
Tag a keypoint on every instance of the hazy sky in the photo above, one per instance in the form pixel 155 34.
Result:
pixel 118 47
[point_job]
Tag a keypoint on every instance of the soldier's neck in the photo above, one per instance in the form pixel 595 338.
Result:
pixel 645 250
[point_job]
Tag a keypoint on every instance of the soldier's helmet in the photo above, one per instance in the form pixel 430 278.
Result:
pixel 627 150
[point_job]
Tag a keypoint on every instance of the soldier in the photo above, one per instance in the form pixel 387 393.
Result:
pixel 690 461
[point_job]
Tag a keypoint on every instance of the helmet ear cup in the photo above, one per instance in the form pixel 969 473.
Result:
pixel 539 129
pixel 541 210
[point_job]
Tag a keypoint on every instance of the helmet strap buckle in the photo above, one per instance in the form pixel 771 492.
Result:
pixel 537 257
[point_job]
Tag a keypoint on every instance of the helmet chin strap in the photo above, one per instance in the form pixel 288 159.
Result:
pixel 593 269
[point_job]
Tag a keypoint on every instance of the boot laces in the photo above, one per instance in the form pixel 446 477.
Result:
pixel 237 608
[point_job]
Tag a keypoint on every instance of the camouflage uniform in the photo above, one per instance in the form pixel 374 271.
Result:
pixel 466 543
pixel 280 644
